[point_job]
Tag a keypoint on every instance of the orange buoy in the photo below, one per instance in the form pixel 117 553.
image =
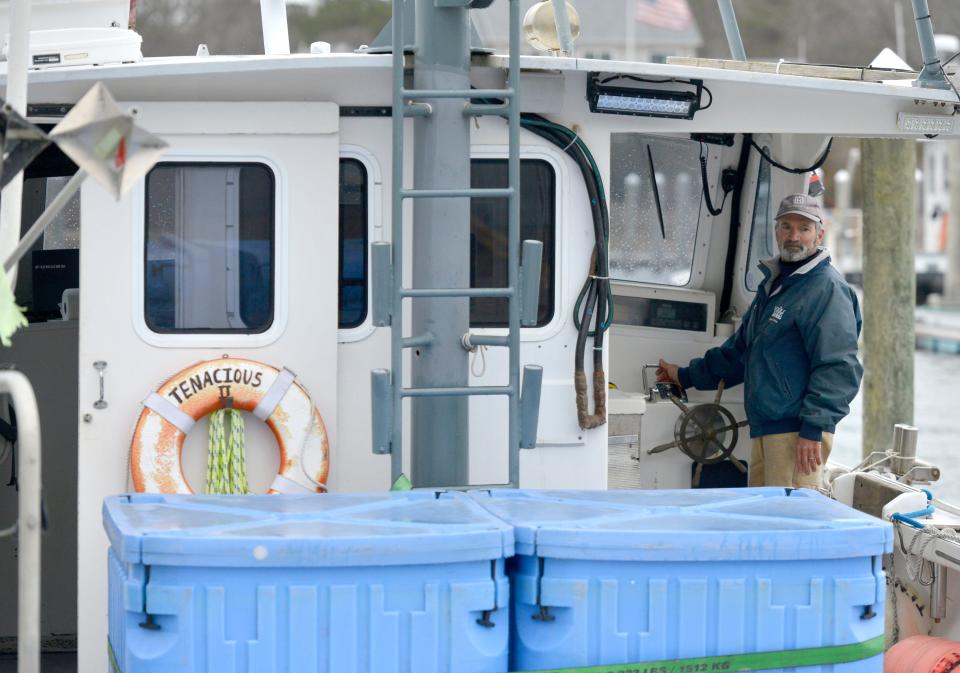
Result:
pixel 922 654
pixel 271 394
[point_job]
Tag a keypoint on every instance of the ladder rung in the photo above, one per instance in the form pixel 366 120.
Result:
pixel 417 110
pixel 457 292
pixel 484 109
pixel 456 93
pixel 489 340
pixel 500 193
pixel 417 341
pixel 457 392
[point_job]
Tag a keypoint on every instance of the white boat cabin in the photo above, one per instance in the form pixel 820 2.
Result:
pixel 251 238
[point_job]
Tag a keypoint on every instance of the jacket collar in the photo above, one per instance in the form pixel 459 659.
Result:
pixel 771 267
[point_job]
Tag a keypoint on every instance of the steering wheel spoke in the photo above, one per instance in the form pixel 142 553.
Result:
pixel 683 407
pixel 720 386
pixel 662 447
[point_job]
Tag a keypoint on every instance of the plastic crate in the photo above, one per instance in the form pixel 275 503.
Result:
pixel 386 583
pixel 612 577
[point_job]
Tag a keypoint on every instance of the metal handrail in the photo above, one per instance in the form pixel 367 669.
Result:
pixel 29 519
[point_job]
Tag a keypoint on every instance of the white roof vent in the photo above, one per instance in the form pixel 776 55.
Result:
pixel 82 46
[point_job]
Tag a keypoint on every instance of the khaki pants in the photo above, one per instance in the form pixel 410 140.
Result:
pixel 774 457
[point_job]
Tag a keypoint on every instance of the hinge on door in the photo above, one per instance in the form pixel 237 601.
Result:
pixel 484 619
pixel 543 611
pixel 880 579
pixel 148 619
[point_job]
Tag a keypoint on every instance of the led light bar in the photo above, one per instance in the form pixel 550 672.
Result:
pixel 913 123
pixel 608 102
pixel 644 102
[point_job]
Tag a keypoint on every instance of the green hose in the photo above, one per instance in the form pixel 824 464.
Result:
pixel 226 455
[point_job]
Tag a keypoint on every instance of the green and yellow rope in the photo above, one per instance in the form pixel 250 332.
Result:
pixel 226 454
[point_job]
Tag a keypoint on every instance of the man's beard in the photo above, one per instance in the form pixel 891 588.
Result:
pixel 796 254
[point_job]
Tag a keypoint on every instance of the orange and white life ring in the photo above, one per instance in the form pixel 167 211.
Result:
pixel 271 394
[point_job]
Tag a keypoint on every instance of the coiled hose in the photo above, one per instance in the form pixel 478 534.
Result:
pixel 594 304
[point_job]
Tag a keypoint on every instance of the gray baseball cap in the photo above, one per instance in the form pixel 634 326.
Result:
pixel 801 204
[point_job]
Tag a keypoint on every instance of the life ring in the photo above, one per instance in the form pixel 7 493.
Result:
pixel 271 394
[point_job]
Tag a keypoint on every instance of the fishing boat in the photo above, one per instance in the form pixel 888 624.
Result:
pixel 460 266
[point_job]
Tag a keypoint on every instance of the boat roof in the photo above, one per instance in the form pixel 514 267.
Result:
pixel 744 101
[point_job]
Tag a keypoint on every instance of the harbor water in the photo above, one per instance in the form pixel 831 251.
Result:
pixel 936 414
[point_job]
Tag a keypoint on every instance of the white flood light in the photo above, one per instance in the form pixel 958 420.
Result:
pixel 913 123
pixel 540 26
pixel 644 102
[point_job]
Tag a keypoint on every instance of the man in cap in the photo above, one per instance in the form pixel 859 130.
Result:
pixel 795 352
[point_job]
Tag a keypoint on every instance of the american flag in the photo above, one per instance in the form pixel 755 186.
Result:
pixel 668 14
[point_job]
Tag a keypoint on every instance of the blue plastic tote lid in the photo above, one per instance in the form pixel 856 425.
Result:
pixel 303 530
pixel 761 524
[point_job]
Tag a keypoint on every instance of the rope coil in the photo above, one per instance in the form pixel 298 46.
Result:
pixel 226 454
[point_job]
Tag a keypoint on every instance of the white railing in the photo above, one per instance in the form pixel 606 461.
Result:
pixel 28 519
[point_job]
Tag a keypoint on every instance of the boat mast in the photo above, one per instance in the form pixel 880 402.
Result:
pixel 441 247
pixel 442 104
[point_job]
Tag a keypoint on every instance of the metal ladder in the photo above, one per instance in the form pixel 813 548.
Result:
pixel 522 291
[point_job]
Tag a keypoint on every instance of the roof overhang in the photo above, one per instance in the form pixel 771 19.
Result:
pixel 744 101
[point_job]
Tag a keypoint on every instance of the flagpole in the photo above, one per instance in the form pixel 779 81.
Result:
pixel 18 61
pixel 730 27
pixel 562 21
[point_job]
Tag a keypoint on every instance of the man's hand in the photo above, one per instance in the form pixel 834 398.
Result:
pixel 667 372
pixel 808 456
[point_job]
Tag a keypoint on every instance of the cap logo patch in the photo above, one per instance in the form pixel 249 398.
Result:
pixel 798 200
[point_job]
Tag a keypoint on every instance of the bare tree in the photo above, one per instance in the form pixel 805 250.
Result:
pixel 176 27
pixel 849 32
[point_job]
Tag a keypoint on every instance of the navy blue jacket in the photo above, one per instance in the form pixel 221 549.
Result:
pixel 795 352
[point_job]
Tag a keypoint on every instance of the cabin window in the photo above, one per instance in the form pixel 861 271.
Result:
pixel 762 242
pixel 210 246
pixel 488 235
pixel 353 243
pixel 52 265
pixel 648 244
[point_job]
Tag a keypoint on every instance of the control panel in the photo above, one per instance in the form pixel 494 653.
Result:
pixel 663 308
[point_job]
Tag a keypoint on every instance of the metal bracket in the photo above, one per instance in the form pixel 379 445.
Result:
pixel 543 614
pixel 484 619
pixel 531 260
pixel 381 267
pixel 931 75
pixel 148 622
pixel 530 405
pixel 381 390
